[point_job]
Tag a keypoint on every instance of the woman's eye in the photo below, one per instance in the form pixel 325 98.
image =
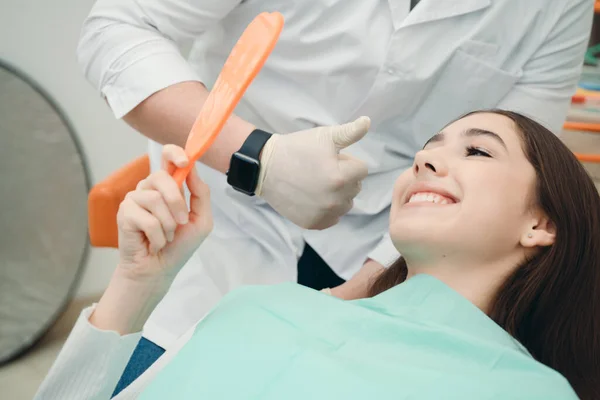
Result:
pixel 475 151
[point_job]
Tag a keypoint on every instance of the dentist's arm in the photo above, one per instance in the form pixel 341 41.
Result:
pixel 168 115
pixel 358 286
pixel 128 50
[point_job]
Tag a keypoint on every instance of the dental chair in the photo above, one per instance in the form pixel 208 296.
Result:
pixel 106 196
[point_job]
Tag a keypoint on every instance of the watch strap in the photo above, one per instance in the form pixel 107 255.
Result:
pixel 254 144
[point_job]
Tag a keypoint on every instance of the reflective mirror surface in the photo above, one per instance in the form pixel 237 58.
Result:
pixel 43 213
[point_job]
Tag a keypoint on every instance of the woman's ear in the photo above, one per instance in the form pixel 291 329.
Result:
pixel 541 232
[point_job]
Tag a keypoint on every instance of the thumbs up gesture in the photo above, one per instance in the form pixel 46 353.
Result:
pixel 304 177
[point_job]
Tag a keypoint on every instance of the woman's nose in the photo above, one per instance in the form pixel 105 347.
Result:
pixel 429 162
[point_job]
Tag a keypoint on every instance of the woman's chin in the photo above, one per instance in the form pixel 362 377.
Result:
pixel 416 217
pixel 423 229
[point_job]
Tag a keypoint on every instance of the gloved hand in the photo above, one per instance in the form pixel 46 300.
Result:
pixel 304 177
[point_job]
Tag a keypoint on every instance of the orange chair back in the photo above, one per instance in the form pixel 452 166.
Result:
pixel 105 198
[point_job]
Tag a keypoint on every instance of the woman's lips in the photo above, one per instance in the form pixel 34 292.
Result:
pixel 426 193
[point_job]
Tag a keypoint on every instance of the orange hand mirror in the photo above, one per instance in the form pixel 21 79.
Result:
pixel 243 64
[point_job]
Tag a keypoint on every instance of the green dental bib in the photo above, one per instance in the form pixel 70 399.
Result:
pixel 418 340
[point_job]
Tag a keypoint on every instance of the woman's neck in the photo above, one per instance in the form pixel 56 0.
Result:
pixel 477 282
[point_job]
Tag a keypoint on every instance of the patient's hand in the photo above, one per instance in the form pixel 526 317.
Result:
pixel 358 286
pixel 157 234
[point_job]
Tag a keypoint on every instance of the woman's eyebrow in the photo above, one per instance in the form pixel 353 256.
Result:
pixel 439 137
pixel 484 132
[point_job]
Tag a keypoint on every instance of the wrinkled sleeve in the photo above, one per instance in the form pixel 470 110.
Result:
pixel 89 364
pixel 128 49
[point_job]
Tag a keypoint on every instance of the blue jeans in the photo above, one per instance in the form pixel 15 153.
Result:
pixel 312 272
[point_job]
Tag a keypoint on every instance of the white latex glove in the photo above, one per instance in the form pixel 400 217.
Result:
pixel 304 177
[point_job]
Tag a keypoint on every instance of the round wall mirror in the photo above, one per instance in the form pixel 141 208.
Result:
pixel 43 212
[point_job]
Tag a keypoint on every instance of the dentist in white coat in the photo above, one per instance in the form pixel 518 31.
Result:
pixel 409 67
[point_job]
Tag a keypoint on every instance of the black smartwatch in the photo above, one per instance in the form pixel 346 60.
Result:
pixel 244 167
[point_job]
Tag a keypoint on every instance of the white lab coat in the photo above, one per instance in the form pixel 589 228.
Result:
pixel 335 60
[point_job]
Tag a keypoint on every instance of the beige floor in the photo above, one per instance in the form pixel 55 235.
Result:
pixel 20 379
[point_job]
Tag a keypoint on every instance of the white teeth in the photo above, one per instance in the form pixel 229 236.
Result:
pixel 429 198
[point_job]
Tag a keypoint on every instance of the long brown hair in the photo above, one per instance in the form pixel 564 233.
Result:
pixel 551 303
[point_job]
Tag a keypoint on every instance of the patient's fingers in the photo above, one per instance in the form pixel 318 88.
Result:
pixel 200 197
pixel 173 156
pixel 164 183
pixel 153 202
pixel 134 218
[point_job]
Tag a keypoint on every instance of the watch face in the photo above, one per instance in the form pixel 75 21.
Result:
pixel 243 173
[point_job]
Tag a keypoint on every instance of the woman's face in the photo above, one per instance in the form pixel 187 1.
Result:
pixel 469 192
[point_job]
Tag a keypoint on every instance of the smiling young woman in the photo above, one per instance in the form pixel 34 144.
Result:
pixel 513 220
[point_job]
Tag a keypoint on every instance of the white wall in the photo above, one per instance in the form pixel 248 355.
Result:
pixel 40 37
